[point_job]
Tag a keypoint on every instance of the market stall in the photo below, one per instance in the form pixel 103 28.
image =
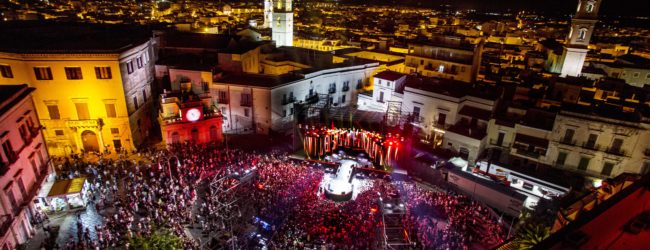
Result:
pixel 66 194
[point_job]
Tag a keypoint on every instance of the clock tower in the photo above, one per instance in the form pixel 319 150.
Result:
pixel 577 42
pixel 282 23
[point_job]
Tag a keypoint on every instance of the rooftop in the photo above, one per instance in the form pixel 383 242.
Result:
pixel 389 75
pixel 48 37
pixel 10 95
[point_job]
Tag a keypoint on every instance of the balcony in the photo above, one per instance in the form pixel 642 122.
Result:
pixel 591 146
pixel 345 88
pixel 530 154
pixel 569 142
pixel 223 101
pixel 246 103
pixel 494 142
pixel 34 131
pixel 88 123
pixel 615 151
pixel 289 100
pixel 311 99
pixel 331 90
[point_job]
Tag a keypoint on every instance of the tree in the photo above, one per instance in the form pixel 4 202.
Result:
pixel 158 240
pixel 531 234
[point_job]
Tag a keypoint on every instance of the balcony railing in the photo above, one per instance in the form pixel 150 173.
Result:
pixel 615 151
pixel 246 103
pixel 530 154
pixel 568 142
pixel 288 100
pixel 83 123
pixel 496 143
pixel 345 88
pixel 591 146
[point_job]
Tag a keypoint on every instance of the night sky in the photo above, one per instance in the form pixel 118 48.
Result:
pixel 609 7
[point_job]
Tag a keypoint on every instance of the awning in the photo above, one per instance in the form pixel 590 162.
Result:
pixel 65 187
pixel 531 140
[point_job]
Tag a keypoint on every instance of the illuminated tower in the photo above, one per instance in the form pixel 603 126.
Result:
pixel 268 13
pixel 575 47
pixel 282 28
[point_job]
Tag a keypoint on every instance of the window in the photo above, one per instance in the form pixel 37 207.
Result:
pixel 583 34
pixel 58 132
pixel 73 73
pixel 246 112
pixel 43 73
pixel 591 142
pixel 441 68
pixel 82 110
pixel 590 7
pixel 416 112
pixel 636 75
pixel 5 70
pixel 343 99
pixel 607 169
pixel 110 110
pixel 561 158
pixel 584 163
pixel 647 76
pixel 139 62
pixel 9 151
pixel 103 72
pixel 616 145
pixel 115 131
pixel 129 67
pixel 381 96
pixel 54 112
pixel 135 102
pixel 388 83
pixel 144 95
pixel 441 118
pixel 568 136
pixel 291 111
pixel 246 100
pixel 284 113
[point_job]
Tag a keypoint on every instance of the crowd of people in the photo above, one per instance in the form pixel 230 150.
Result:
pixel 172 189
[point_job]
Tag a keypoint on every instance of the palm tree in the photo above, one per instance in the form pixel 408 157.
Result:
pixel 531 234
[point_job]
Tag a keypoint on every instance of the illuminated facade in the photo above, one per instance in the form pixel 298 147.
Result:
pixel 268 13
pixel 88 99
pixel 444 57
pixel 282 27
pixel 24 164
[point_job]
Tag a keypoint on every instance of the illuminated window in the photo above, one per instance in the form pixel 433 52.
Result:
pixel 590 7
pixel 43 73
pixel 73 73
pixel 129 67
pixel 441 68
pixel 58 132
pixel 115 131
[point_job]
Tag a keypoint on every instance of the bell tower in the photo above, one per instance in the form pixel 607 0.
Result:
pixel 268 13
pixel 577 42
pixel 282 23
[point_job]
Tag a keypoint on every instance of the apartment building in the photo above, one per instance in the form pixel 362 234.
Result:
pixel 24 163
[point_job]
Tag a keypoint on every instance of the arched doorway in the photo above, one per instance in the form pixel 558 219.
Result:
pixel 89 139
pixel 195 135
pixel 175 138
pixel 213 133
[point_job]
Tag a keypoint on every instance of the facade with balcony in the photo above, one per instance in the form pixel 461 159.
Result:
pixel 188 117
pixel 24 164
pixel 600 146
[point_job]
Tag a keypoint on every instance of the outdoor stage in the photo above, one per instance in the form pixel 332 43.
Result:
pixel 346 176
